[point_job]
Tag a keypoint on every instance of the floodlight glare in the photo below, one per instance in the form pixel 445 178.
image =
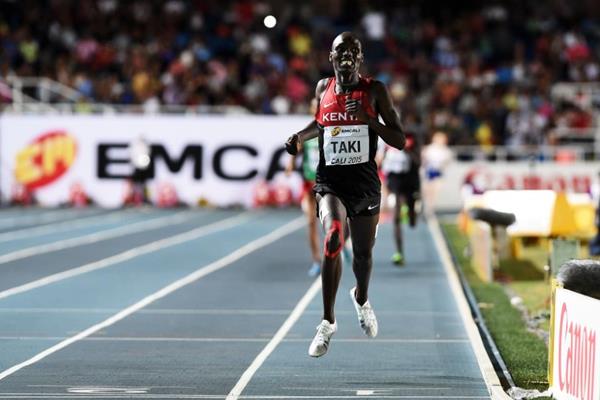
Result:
pixel 270 21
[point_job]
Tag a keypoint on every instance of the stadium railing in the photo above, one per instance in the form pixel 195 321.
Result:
pixel 542 153
pixel 585 93
pixel 33 95
pixel 111 109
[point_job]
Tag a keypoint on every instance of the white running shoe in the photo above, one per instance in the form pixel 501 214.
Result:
pixel 320 343
pixel 366 315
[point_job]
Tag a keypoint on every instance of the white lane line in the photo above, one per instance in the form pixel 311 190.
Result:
pixel 102 390
pixel 160 311
pixel 153 387
pixel 129 254
pixel 61 226
pixel 391 340
pixel 239 387
pixel 401 387
pixel 194 276
pixel 483 360
pixel 25 218
pixel 211 396
pixel 138 339
pixel 95 237
pixel 211 311
pixel 226 340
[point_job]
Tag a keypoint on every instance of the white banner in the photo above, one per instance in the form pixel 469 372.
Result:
pixel 220 159
pixel 576 354
pixel 460 177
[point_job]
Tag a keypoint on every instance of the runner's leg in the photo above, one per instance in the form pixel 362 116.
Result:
pixel 313 229
pixel 333 217
pixel 412 213
pixel 362 232
pixel 310 210
pixel 398 222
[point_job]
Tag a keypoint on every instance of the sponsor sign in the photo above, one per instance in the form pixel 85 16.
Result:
pixel 45 159
pixel 575 350
pixel 576 177
pixel 216 159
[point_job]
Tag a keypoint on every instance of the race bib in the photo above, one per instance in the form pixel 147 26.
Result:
pixel 346 145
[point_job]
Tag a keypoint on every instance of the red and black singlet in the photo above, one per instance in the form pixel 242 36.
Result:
pixel 347 147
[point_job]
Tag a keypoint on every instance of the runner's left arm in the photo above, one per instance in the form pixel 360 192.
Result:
pixel 391 129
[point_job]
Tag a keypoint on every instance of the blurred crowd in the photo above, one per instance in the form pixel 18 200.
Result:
pixel 483 73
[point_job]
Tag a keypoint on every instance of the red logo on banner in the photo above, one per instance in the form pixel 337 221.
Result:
pixel 45 159
pixel 487 179
pixel 576 357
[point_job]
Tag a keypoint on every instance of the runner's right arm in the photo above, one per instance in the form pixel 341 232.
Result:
pixel 294 143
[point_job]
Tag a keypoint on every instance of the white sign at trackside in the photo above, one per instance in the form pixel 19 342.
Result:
pixel 576 351
pixel 218 158
pixel 575 177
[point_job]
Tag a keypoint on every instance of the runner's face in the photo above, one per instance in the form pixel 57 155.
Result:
pixel 346 55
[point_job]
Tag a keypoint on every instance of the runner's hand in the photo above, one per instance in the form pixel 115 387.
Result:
pixel 291 145
pixel 355 108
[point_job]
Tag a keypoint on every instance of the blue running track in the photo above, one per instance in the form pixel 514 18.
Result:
pixel 178 304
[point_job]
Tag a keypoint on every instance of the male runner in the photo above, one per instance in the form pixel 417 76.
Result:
pixel 347 186
pixel 401 168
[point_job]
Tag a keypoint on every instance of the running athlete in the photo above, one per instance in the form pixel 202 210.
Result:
pixel 310 161
pixel 401 168
pixel 435 157
pixel 347 189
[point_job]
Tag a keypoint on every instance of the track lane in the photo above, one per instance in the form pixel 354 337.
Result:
pixel 24 218
pixel 422 352
pixel 22 271
pixel 196 342
pixel 150 273
pixel 71 230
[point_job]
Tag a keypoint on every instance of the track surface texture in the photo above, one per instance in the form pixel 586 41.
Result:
pixel 215 304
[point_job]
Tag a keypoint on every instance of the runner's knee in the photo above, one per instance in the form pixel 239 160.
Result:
pixel 362 256
pixel 334 239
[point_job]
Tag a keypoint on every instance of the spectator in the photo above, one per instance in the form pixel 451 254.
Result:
pixel 434 157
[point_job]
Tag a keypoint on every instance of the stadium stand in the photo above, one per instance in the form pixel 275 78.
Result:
pixel 482 73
